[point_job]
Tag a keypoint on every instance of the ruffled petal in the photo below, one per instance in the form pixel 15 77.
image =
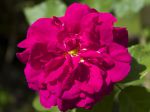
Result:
pixel 122 60
pixel 119 71
pixel 89 36
pixel 41 31
pixel 85 103
pixel 95 82
pixel 47 100
pixel 54 64
pixel 23 56
pixel 119 53
pixel 60 72
pixel 73 16
pixel 90 54
pixel 106 28
pixel 38 55
pixel 34 77
pixel 72 93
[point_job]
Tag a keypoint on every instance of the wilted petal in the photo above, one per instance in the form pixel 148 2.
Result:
pixel 120 36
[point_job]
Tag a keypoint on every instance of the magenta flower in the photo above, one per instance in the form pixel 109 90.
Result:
pixel 74 60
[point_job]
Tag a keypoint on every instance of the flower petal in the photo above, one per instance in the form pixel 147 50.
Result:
pixel 120 36
pixel 73 16
pixel 23 56
pixel 106 28
pixel 85 103
pixel 95 82
pixel 119 53
pixel 34 77
pixel 72 93
pixel 47 100
pixel 54 63
pixel 61 71
pixel 119 71
pixel 89 37
pixel 41 31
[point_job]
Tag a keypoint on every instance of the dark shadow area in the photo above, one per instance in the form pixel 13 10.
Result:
pixel 133 41
pixel 136 69
pixel 15 96
pixel 68 2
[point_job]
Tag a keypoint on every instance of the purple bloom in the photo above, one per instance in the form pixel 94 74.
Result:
pixel 74 60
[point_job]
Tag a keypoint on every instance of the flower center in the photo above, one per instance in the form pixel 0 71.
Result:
pixel 73 52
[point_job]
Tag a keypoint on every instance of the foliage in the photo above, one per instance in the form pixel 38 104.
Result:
pixel 48 8
pixel 142 54
pixel 134 99
pixel 38 106
pixel 140 64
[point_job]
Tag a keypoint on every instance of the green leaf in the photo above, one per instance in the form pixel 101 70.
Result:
pixel 146 82
pixel 73 110
pixel 54 109
pixel 100 5
pixel 5 98
pixel 134 76
pixel 142 54
pixel 105 105
pixel 123 8
pixel 140 65
pixel 47 8
pixel 39 107
pixel 134 99
pixel 147 2
pixel 132 23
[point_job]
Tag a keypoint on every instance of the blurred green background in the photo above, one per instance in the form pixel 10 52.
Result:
pixel 17 15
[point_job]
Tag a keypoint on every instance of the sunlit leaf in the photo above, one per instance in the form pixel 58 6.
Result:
pixel 125 7
pixel 100 5
pixel 142 54
pixel 132 23
pixel 147 2
pixel 140 64
pixel 39 107
pixel 47 8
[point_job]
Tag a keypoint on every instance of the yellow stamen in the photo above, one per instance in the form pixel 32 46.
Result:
pixel 73 52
